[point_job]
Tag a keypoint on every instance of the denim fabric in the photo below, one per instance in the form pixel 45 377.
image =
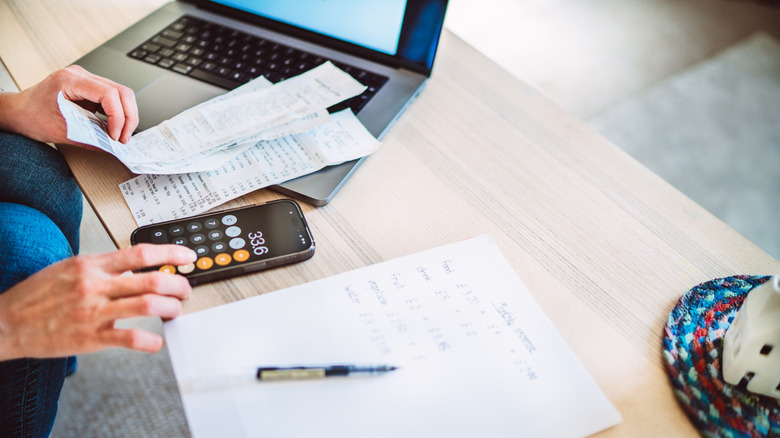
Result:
pixel 40 214
pixel 36 175
pixel 30 241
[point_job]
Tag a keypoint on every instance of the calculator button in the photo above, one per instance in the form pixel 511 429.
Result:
pixel 158 236
pixel 241 255
pixel 194 227
pixel 205 263
pixel 222 259
pixel 219 246
pixel 215 235
pixel 237 243
pixel 186 269
pixel 233 231
pixel 211 223
pixel 180 241
pixel 168 269
pixel 176 230
pixel 229 220
pixel 201 250
pixel 197 238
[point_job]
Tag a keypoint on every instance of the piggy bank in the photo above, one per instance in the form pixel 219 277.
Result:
pixel 751 349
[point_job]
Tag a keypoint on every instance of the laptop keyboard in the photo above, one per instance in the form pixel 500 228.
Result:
pixel 229 58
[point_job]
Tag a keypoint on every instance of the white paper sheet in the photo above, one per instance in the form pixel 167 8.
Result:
pixel 156 198
pixel 185 142
pixel 478 357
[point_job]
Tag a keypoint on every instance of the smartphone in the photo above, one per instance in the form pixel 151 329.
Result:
pixel 234 242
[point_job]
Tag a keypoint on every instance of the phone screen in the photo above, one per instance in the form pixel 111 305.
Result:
pixel 235 241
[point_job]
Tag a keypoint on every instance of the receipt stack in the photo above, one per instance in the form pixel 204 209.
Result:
pixel 252 137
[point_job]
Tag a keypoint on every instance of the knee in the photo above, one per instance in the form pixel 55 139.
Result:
pixel 29 242
pixel 35 174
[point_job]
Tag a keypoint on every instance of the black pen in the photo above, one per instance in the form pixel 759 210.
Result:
pixel 299 373
pixel 215 381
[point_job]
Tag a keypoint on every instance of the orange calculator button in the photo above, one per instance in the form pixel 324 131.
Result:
pixel 168 269
pixel 205 263
pixel 222 259
pixel 241 255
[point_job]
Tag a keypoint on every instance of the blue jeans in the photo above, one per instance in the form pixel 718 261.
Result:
pixel 40 214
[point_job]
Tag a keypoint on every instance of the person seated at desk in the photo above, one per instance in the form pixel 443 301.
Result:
pixel 53 303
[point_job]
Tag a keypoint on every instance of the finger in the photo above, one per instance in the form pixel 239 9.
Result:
pixel 135 338
pixel 157 283
pixel 130 108
pixel 117 101
pixel 122 118
pixel 128 117
pixel 145 255
pixel 142 305
pixel 102 94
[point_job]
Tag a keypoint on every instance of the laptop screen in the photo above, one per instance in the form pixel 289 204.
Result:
pixel 372 24
pixel 407 29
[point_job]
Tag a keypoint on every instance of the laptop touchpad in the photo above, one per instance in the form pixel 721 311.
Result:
pixel 169 95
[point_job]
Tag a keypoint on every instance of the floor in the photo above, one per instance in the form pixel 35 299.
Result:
pixel 711 131
pixel 659 79
pixel 590 54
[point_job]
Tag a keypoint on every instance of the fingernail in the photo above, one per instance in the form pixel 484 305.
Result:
pixel 188 253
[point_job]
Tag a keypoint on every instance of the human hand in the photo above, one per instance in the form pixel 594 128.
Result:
pixel 34 112
pixel 70 307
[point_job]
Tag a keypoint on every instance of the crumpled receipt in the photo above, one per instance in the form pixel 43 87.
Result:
pixel 201 138
pixel 250 138
pixel 157 198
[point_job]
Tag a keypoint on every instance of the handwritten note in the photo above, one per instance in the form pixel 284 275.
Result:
pixel 477 356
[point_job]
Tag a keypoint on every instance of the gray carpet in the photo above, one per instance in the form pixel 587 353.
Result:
pixel 122 393
pixel 724 111
pixel 713 131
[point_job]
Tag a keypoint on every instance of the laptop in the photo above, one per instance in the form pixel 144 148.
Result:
pixel 189 51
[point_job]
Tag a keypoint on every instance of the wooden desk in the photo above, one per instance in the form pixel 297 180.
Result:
pixel 604 245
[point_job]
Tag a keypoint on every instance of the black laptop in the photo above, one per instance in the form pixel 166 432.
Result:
pixel 189 51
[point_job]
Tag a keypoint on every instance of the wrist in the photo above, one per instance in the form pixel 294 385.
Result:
pixel 8 111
